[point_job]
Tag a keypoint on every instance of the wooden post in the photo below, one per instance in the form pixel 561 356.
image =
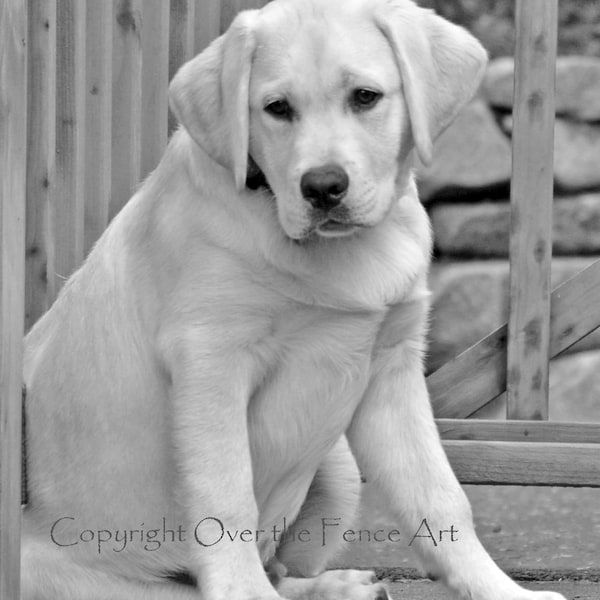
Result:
pixel 98 115
pixel 531 209
pixel 41 148
pixel 13 139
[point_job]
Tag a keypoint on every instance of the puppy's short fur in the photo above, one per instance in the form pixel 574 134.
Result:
pixel 226 354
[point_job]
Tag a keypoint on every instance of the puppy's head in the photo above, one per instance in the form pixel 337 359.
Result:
pixel 328 99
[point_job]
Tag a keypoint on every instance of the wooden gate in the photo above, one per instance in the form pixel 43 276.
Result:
pixel 83 115
pixel 526 448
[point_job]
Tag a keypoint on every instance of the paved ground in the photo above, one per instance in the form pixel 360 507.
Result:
pixel 548 538
pixel 425 590
pixel 534 533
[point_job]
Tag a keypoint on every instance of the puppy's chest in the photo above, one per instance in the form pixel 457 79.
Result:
pixel 317 365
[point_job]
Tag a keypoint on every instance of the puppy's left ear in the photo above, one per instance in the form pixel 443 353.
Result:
pixel 441 66
pixel 209 96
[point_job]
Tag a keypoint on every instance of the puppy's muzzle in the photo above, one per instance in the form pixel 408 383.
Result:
pixel 324 187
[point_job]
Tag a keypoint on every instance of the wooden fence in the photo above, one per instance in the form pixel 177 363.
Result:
pixel 97 116
pixel 84 117
pixel 526 448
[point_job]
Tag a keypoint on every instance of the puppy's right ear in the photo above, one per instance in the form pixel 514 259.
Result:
pixel 209 96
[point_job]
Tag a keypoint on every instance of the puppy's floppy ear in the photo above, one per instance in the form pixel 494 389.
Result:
pixel 441 66
pixel 209 96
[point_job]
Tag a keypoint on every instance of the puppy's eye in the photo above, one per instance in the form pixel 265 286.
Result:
pixel 363 98
pixel 280 109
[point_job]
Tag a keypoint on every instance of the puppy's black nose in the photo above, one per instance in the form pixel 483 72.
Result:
pixel 324 187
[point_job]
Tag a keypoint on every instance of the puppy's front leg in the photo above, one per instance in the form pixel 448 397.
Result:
pixel 210 393
pixel 397 446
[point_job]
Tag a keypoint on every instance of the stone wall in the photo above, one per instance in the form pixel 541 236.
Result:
pixel 466 191
pixel 492 21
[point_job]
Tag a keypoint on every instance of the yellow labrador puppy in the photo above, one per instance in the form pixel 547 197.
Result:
pixel 251 326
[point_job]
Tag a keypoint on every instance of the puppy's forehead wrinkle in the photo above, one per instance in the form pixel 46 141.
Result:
pixel 327 70
pixel 281 46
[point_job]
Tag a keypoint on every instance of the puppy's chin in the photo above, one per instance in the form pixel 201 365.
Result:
pixel 317 224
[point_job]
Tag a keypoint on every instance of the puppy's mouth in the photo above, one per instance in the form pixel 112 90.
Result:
pixel 333 228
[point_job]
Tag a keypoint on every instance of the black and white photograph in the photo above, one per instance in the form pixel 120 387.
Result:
pixel 299 300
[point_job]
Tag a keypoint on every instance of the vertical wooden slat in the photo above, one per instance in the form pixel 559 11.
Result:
pixel 13 123
pixel 98 119
pixel 155 65
pixel 69 193
pixel 127 101
pixel 181 39
pixel 207 24
pixel 230 8
pixel 531 209
pixel 41 147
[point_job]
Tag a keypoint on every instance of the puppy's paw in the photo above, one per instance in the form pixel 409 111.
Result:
pixel 335 585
